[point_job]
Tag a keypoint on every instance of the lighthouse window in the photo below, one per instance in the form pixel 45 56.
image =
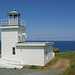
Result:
pixel 13 50
pixel 10 17
pixel 15 17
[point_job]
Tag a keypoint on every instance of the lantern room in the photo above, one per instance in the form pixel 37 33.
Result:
pixel 13 18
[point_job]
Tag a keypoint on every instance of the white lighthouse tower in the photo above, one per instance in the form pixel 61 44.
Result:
pixel 12 33
pixel 14 49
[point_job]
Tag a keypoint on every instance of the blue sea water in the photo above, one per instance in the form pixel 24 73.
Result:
pixel 62 45
pixel 65 45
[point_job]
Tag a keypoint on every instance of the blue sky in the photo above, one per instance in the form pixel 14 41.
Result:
pixel 46 19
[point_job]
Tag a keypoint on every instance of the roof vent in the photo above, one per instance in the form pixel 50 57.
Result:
pixel 13 9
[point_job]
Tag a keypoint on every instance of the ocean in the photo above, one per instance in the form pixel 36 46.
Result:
pixel 62 45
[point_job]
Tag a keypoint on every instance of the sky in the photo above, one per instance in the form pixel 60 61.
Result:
pixel 45 19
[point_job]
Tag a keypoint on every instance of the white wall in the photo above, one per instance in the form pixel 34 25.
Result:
pixel 48 54
pixel 30 55
pixel 9 40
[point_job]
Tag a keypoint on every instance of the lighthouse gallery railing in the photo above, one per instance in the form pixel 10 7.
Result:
pixel 5 22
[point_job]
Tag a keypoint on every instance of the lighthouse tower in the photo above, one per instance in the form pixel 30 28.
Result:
pixel 13 31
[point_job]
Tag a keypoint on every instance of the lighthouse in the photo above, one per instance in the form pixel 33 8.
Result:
pixel 14 49
pixel 12 32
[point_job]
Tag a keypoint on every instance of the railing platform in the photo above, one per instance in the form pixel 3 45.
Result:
pixel 4 22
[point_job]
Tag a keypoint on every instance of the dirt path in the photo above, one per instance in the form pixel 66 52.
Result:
pixel 61 64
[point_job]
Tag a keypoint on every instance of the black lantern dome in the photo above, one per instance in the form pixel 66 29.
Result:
pixel 13 14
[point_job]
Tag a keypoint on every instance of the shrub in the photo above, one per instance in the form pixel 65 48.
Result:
pixel 32 67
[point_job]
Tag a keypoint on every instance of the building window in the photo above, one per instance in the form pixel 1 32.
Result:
pixel 13 50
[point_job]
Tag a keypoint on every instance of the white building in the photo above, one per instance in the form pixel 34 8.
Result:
pixel 15 51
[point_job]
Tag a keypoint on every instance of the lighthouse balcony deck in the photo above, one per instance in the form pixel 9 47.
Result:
pixel 12 26
pixel 5 22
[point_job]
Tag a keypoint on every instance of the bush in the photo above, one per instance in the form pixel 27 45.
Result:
pixel 32 67
pixel 56 50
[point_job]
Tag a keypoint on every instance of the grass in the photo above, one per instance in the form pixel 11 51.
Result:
pixel 64 55
pixel 0 50
pixel 33 67
pixel 71 57
pixel 55 49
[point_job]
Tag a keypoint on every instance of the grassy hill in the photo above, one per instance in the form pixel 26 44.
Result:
pixel 64 55
pixel 71 57
pixel 56 50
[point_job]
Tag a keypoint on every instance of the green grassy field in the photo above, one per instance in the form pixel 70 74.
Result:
pixel 64 55
pixel 0 50
pixel 71 57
